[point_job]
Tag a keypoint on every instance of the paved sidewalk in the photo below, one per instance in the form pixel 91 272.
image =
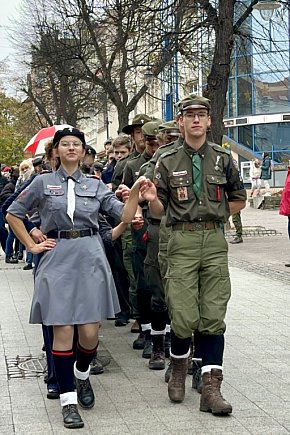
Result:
pixel 130 399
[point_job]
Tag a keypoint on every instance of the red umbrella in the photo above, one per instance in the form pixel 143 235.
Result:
pixel 37 143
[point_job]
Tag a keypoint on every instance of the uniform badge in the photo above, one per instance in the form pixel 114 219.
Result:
pixel 157 176
pixel 179 173
pixel 84 186
pixel 49 186
pixel 182 193
pixel 217 163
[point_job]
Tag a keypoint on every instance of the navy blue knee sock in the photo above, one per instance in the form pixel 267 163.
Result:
pixel 84 357
pixel 179 346
pixel 63 364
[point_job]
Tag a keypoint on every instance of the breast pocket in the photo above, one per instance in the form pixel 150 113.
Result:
pixel 216 187
pixel 55 198
pixel 181 188
pixel 86 200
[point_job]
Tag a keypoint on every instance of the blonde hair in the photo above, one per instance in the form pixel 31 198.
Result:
pixel 25 164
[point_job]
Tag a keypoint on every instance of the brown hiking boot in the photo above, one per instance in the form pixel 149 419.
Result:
pixel 176 383
pixel 211 398
pixel 157 360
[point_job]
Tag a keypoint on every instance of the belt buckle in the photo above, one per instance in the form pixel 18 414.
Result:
pixel 198 226
pixel 74 234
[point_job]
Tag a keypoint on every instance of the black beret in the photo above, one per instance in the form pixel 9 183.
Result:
pixel 69 131
pixel 37 161
pixel 90 151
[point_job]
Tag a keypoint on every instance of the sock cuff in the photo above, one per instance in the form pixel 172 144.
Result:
pixel 154 332
pixel 62 352
pixel 87 351
pixel 69 398
pixel 208 368
pixel 146 327
pixel 186 355
pixel 82 376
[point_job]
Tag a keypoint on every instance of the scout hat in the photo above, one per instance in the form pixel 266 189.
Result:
pixel 151 128
pixel 109 140
pixel 197 102
pixel 188 97
pixel 138 121
pixel 69 131
pixel 170 128
pixel 98 166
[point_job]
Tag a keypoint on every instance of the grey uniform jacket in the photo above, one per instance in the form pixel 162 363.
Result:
pixel 73 282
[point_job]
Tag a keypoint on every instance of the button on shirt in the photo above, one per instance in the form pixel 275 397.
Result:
pixel 220 183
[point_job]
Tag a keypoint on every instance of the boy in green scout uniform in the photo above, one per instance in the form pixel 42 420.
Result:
pixel 198 187
pixel 139 245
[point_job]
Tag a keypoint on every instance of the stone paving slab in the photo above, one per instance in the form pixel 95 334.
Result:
pixel 131 399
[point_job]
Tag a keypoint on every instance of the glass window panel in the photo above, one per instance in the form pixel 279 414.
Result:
pixel 245 135
pixel 244 101
pixel 271 93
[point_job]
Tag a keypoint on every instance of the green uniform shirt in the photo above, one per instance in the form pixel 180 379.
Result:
pixel 220 183
pixel 119 169
pixel 149 172
pixel 132 168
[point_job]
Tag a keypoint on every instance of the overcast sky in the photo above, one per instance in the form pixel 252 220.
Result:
pixel 8 10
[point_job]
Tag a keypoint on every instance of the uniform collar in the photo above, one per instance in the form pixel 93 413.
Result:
pixel 190 151
pixel 76 176
pixel 146 156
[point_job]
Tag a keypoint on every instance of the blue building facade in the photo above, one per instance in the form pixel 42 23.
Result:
pixel 258 108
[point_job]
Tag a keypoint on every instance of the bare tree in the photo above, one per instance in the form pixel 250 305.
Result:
pixel 86 54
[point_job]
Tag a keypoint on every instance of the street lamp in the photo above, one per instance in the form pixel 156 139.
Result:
pixel 267 8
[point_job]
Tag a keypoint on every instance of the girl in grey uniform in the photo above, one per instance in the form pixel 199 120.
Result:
pixel 73 282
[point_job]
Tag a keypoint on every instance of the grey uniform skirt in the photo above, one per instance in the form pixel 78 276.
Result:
pixel 74 284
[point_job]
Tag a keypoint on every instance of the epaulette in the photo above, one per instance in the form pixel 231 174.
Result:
pixel 218 148
pixel 166 145
pixel 169 152
pixel 134 158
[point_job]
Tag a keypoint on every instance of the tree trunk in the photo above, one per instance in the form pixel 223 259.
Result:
pixel 123 116
pixel 217 81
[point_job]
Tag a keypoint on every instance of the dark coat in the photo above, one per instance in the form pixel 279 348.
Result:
pixel 266 172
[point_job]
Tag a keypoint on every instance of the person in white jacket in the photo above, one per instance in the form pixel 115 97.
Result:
pixel 255 174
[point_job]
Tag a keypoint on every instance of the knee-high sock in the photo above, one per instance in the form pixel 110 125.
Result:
pixel 84 357
pixel 63 364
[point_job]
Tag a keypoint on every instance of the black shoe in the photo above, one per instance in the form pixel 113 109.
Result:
pixel 52 392
pixel 167 344
pixel 139 342
pixel 147 345
pixel 121 321
pixel 19 256
pixel 71 417
pixel 85 392
pixel 11 260
pixel 28 266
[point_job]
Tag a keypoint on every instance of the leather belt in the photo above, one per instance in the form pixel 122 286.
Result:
pixel 195 226
pixel 71 234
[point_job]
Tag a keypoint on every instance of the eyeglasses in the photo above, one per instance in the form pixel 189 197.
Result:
pixel 74 143
pixel 200 115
